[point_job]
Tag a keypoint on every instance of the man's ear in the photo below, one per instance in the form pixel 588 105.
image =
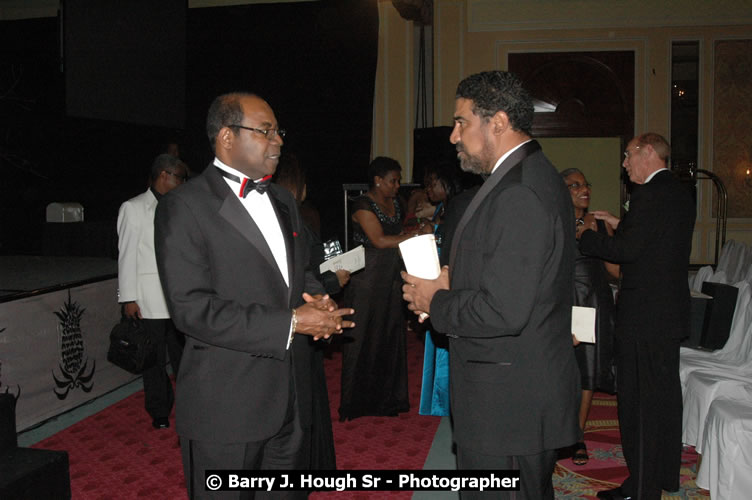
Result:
pixel 225 138
pixel 499 122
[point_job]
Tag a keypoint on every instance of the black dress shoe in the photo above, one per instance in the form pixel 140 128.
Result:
pixel 160 423
pixel 614 494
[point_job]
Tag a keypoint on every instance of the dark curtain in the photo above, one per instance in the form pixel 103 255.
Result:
pixel 315 62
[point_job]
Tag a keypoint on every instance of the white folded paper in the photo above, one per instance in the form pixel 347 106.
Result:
pixel 583 324
pixel 352 261
pixel 421 256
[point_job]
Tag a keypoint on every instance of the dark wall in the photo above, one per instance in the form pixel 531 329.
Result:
pixel 314 62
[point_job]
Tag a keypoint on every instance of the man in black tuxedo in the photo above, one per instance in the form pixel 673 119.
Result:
pixel 232 262
pixel 514 381
pixel 652 244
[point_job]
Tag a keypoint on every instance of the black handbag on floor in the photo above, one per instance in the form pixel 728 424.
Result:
pixel 131 347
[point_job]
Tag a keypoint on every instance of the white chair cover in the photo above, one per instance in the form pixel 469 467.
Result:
pixel 725 257
pixel 748 274
pixel 694 359
pixel 703 275
pixel 726 373
pixel 719 277
pixel 702 388
pixel 726 467
pixel 740 260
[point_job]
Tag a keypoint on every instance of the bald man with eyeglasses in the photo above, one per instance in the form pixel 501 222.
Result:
pixel 652 244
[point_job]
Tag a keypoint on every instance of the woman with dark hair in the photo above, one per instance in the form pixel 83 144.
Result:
pixel 374 364
pixel 444 191
pixel 592 290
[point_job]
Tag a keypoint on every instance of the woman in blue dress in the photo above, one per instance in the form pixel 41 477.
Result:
pixel 445 192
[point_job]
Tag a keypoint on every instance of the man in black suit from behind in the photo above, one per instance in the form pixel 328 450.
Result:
pixel 652 243
pixel 232 261
pixel 514 381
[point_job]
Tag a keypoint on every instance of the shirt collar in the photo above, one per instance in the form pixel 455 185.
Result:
pixel 223 166
pixel 505 155
pixel 156 193
pixel 653 174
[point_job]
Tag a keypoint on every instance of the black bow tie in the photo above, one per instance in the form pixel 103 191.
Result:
pixel 247 185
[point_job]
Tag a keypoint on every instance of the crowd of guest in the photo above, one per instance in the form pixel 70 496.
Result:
pixel 230 261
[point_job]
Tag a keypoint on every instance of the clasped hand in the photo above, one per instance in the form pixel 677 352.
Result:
pixel 320 318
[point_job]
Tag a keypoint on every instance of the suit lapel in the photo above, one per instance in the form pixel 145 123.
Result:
pixel 511 161
pixel 233 212
pixel 285 223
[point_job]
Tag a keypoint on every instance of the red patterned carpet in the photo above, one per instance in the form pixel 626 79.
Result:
pixel 117 454
pixel 401 442
pixel 606 468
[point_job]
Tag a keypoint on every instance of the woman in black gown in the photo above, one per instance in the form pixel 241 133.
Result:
pixel 374 364
pixel 592 290
pixel 317 443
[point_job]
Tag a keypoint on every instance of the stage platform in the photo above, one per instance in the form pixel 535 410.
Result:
pixel 21 275
pixel 56 314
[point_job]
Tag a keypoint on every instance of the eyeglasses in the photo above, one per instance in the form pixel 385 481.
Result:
pixel 628 153
pixel 269 133
pixel 576 185
pixel 181 178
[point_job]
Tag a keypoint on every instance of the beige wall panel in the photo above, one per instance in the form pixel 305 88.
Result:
pixel 698 255
pixel 501 15
pixel 732 122
pixel 449 50
pixel 598 158
pixel 478 35
pixel 394 99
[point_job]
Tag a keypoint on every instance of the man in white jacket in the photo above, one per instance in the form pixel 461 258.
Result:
pixel 140 291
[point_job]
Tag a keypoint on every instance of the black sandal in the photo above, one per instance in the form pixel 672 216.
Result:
pixel 580 454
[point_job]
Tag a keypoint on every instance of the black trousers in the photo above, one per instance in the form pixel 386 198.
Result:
pixel 536 473
pixel 280 452
pixel 158 393
pixel 650 415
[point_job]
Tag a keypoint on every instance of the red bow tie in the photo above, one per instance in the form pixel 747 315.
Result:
pixel 247 185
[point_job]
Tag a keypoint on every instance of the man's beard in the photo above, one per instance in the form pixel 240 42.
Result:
pixel 480 164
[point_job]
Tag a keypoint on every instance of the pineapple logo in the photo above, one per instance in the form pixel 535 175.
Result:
pixel 72 350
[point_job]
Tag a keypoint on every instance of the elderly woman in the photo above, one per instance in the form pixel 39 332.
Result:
pixel 591 290
pixel 374 364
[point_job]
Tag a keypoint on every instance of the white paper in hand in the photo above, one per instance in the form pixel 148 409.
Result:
pixel 583 324
pixel 421 256
pixel 421 259
pixel 352 261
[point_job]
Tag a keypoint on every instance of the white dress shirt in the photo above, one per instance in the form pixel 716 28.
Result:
pixel 259 207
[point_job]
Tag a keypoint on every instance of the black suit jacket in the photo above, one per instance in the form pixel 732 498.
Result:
pixel 514 380
pixel 225 291
pixel 652 244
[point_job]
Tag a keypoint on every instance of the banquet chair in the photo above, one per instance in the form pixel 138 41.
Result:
pixel 694 359
pixel 703 275
pixel 726 466
pixel 702 389
pixel 728 375
pixel 726 252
